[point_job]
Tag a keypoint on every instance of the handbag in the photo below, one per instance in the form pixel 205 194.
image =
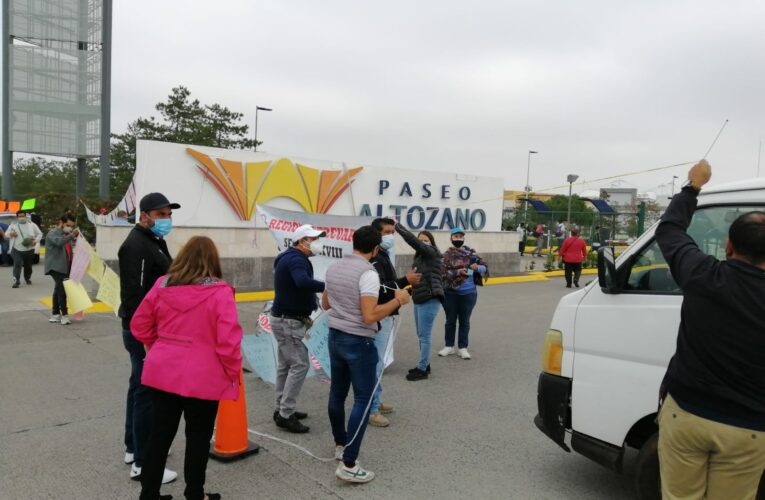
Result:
pixel 26 241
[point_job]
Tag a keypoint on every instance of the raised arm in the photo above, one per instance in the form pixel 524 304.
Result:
pixel 416 244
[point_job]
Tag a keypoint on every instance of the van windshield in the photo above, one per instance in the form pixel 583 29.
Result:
pixel 649 271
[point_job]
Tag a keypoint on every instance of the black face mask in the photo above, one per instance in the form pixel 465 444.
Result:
pixel 458 243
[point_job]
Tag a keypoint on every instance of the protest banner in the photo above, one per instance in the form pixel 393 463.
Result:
pixel 109 290
pixel 76 297
pixel 80 260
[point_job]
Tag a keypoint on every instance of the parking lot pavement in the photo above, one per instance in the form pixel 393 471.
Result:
pixel 465 432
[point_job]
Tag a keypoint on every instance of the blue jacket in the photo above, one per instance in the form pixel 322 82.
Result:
pixel 294 286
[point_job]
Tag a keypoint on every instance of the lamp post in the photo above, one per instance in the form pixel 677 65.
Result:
pixel 571 179
pixel 527 189
pixel 673 187
pixel 258 108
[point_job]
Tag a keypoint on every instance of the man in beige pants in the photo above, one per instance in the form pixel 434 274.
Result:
pixel 712 422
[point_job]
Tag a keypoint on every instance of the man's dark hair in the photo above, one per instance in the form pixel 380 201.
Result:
pixel 66 218
pixel 379 222
pixel 366 238
pixel 747 235
pixel 21 212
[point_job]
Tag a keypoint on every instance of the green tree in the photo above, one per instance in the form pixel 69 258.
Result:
pixel 183 120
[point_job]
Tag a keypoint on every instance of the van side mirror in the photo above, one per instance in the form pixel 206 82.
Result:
pixel 607 276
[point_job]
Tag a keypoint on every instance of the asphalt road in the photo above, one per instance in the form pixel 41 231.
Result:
pixel 465 432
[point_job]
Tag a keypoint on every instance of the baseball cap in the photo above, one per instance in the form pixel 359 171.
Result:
pixel 306 231
pixel 154 201
pixel 457 230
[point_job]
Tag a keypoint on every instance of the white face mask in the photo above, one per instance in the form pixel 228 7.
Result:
pixel 22 220
pixel 67 229
pixel 388 240
pixel 316 247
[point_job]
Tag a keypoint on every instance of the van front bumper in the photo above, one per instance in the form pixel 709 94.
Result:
pixel 554 405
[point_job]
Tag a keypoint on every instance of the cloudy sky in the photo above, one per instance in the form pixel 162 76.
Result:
pixel 598 88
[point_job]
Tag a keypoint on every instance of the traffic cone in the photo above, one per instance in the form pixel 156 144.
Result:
pixel 231 435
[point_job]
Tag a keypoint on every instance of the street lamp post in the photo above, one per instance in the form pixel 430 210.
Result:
pixel 673 187
pixel 571 179
pixel 527 188
pixel 258 108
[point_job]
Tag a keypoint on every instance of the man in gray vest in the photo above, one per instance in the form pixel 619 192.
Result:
pixel 352 288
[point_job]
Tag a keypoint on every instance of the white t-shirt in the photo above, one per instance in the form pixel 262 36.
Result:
pixel 369 284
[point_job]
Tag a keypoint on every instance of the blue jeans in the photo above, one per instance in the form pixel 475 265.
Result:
pixel 424 316
pixel 353 360
pixel 381 343
pixel 138 408
pixel 459 307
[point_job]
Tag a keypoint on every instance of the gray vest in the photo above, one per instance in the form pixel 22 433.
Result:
pixel 342 283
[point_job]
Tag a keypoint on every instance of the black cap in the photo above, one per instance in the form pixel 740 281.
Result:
pixel 155 201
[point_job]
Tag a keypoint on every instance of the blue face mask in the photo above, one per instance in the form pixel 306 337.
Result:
pixel 162 227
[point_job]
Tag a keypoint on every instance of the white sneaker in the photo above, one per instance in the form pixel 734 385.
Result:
pixel 339 450
pixel 446 351
pixel 464 354
pixel 55 318
pixel 129 458
pixel 168 477
pixel 65 320
pixel 354 474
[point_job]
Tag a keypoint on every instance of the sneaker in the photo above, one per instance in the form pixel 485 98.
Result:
pixel 464 354
pixel 168 477
pixel 65 320
pixel 55 318
pixel 385 409
pixel 446 351
pixel 417 374
pixel 298 414
pixel 129 458
pixel 354 474
pixel 415 369
pixel 378 420
pixel 339 450
pixel 291 424
pixel 15 284
pixel 29 282
pixel 576 284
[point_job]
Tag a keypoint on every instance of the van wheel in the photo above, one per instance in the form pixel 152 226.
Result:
pixel 647 481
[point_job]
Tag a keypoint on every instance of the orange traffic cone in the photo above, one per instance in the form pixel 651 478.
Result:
pixel 231 441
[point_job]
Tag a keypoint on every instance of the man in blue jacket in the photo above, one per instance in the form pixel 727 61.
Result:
pixel 294 301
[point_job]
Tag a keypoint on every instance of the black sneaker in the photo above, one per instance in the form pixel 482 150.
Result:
pixel 417 369
pixel 291 424
pixel 29 282
pixel 299 414
pixel 15 284
pixel 417 374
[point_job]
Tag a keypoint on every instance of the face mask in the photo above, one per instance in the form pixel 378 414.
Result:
pixel 22 220
pixel 316 247
pixel 162 227
pixel 387 241
pixel 67 229
pixel 426 242
pixel 458 243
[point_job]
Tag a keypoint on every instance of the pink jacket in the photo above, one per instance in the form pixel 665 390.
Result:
pixel 194 337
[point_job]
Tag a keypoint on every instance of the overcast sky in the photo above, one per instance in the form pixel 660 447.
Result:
pixel 598 88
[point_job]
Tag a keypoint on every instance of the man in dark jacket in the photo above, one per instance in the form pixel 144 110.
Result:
pixel 294 301
pixel 389 283
pixel 143 258
pixel 712 421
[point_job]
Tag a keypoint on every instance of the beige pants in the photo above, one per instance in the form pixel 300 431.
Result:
pixel 700 458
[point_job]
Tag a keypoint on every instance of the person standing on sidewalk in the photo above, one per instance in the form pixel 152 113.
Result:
pixel 23 235
pixel 294 301
pixel 143 258
pixel 573 252
pixel 389 283
pixel 189 325
pixel 712 420
pixel 463 270
pixel 351 299
pixel 58 262
pixel 427 295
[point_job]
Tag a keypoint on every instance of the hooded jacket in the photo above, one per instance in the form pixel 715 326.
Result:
pixel 427 260
pixel 57 257
pixel 194 338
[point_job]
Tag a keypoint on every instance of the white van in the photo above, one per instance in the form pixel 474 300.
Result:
pixel 609 344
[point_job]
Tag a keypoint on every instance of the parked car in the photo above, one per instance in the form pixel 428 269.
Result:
pixel 609 344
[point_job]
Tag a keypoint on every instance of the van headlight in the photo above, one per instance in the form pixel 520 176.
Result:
pixel 552 354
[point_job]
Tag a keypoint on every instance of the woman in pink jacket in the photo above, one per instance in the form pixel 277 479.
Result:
pixel 573 252
pixel 189 326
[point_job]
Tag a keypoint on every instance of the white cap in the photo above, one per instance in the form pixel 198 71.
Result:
pixel 306 231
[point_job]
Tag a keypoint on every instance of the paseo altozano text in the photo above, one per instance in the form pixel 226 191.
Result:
pixel 425 215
